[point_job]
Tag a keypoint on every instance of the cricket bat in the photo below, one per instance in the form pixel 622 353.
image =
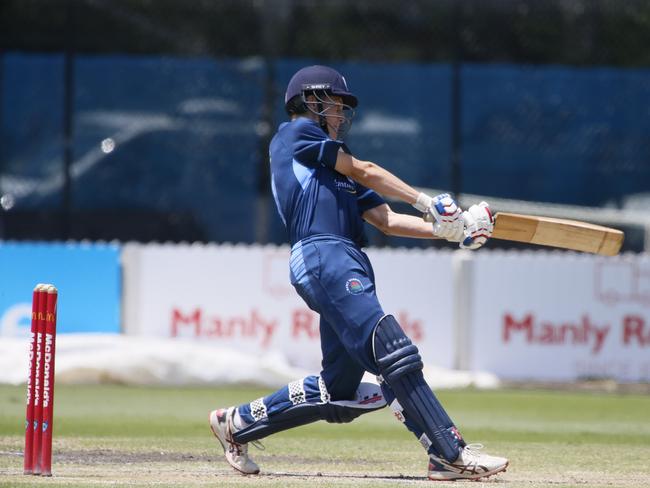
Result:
pixel 562 233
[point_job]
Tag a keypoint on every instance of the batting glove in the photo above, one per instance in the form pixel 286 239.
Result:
pixel 445 214
pixel 479 224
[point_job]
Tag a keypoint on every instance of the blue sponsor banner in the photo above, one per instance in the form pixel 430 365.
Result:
pixel 87 277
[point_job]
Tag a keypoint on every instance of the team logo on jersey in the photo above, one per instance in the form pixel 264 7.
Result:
pixel 346 184
pixel 354 286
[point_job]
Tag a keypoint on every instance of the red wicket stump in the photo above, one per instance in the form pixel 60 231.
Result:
pixel 40 382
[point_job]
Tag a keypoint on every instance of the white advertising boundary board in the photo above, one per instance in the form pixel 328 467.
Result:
pixel 239 297
pixel 532 315
pixel 557 316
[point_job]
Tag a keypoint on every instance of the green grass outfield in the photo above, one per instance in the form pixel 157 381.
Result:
pixel 144 436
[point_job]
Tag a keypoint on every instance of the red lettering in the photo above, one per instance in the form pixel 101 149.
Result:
pixel 214 329
pixel 547 336
pixel 302 322
pixel 235 323
pixel 266 327
pixel 412 327
pixel 633 329
pixel 202 324
pixel 179 320
pixel 511 325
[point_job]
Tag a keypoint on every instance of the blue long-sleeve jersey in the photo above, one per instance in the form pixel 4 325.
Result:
pixel 312 198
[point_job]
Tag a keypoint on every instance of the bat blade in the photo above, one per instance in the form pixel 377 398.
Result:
pixel 562 233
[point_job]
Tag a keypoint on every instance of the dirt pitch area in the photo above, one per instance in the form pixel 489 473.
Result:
pixel 112 467
pixel 115 436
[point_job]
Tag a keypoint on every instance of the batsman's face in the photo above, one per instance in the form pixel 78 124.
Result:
pixel 337 114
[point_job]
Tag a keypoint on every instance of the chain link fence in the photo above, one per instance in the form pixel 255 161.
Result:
pixel 139 120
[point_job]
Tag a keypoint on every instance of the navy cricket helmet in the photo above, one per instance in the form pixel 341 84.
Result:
pixel 318 78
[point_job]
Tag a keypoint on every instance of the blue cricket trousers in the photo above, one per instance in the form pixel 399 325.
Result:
pixel 336 280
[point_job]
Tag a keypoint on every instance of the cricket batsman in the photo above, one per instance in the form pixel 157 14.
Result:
pixel 323 195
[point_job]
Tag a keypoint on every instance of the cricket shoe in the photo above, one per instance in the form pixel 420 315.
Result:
pixel 236 454
pixel 470 465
